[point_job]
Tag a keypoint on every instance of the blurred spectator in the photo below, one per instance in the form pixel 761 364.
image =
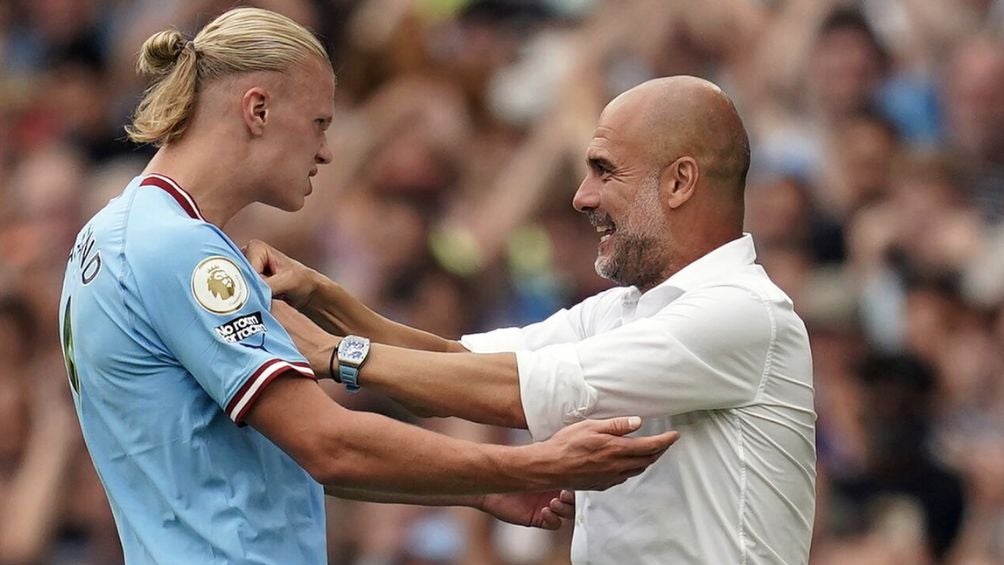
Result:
pixel 863 149
pixel 974 85
pixel 842 69
pixel 897 413
pixel 783 212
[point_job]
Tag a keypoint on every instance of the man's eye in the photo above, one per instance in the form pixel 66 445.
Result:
pixel 601 168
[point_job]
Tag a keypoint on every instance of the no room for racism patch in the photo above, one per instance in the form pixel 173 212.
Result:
pixel 241 328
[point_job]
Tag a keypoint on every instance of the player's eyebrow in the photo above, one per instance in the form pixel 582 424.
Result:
pixel 598 163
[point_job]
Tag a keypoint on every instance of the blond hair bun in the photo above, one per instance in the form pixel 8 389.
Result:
pixel 160 52
pixel 242 40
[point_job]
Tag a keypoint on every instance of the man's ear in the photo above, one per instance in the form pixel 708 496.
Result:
pixel 255 106
pixel 679 181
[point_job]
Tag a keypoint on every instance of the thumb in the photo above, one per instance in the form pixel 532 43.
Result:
pixel 280 283
pixel 256 254
pixel 620 426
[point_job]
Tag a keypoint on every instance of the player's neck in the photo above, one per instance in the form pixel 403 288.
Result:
pixel 204 176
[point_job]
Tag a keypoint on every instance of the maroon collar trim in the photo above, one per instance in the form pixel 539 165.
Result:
pixel 183 199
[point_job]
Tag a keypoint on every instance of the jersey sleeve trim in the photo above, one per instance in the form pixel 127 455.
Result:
pixel 239 405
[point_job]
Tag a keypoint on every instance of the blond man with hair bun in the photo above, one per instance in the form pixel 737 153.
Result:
pixel 206 425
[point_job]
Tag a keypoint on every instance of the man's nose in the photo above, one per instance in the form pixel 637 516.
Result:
pixel 587 197
pixel 324 155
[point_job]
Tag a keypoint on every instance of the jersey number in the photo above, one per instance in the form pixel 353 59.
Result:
pixel 71 366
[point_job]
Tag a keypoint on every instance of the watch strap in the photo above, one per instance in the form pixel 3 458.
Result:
pixel 349 377
pixel 335 375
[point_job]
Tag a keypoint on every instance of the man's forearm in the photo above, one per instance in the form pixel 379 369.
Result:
pixel 481 388
pixel 337 311
pixel 365 451
pixel 478 387
pixel 471 500
pixel 371 453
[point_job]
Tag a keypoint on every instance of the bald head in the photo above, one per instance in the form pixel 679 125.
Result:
pixel 680 116
pixel 666 175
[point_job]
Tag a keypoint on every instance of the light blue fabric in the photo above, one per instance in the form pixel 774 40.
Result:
pixel 155 375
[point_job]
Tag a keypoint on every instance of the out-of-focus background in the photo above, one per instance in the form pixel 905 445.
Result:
pixel 876 198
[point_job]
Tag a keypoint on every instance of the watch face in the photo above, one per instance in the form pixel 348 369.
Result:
pixel 353 350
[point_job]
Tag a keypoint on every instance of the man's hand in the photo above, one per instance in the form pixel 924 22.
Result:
pixel 535 509
pixel 592 455
pixel 312 341
pixel 290 280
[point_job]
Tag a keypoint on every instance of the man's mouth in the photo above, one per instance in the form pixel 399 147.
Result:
pixel 603 224
pixel 605 231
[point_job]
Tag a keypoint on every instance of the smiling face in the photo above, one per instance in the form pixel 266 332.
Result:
pixel 631 247
pixel 620 196
pixel 667 167
pixel 295 135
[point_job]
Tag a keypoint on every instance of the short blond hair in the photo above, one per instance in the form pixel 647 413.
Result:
pixel 241 40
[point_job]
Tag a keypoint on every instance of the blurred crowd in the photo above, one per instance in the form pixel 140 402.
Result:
pixel 876 199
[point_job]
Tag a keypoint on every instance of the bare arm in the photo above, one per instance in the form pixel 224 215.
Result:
pixel 535 509
pixel 360 450
pixel 478 387
pixel 366 451
pixel 382 497
pixel 331 306
pixel 482 388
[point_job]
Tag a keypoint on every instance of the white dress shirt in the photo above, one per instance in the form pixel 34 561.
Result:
pixel 715 352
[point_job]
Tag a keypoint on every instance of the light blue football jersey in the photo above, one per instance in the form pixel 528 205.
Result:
pixel 168 341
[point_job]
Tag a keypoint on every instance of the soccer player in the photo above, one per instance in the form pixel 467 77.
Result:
pixel 205 424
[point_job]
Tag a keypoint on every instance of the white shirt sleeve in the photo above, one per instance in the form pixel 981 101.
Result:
pixel 709 349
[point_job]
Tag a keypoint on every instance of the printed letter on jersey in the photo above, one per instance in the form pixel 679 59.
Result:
pixel 218 285
pixel 241 328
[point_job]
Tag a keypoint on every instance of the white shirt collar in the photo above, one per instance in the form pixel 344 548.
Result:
pixel 729 257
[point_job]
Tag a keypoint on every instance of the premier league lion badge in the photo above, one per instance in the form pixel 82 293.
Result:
pixel 218 285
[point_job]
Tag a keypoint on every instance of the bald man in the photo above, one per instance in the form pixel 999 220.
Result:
pixel 696 338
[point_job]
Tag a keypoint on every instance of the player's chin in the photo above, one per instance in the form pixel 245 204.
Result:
pixel 292 203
